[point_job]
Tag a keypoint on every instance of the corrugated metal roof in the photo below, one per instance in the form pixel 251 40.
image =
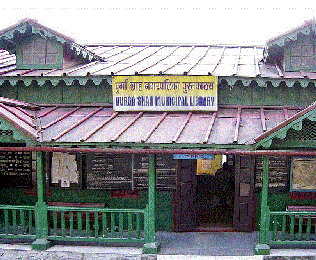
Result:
pixel 164 59
pixel 99 123
pixel 228 125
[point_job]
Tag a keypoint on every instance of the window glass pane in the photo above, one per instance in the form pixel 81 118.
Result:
pixel 28 58
pixel 307 50
pixel 51 48
pixel 40 46
pixel 51 58
pixel 39 58
pixel 28 47
pixel 296 62
pixel 308 62
pixel 296 49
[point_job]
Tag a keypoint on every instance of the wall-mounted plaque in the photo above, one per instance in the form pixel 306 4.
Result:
pixel 16 169
pixel 109 171
pixel 278 173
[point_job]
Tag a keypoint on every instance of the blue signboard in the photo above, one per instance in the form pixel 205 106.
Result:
pixel 193 156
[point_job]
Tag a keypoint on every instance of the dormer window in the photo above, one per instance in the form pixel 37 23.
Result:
pixel 40 53
pixel 300 55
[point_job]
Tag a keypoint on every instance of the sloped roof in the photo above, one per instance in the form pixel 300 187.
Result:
pixel 100 124
pixel 230 63
pixel 280 130
pixel 21 115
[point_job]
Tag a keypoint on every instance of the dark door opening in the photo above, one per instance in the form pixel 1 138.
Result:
pixel 215 200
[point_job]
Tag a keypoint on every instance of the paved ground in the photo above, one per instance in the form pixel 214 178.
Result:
pixel 174 246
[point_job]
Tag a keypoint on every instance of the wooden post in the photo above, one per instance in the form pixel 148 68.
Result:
pixel 41 223
pixel 151 246
pixel 263 247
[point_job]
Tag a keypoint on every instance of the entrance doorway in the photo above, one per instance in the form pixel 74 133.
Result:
pixel 215 202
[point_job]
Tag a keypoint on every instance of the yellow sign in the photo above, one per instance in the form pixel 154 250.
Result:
pixel 209 166
pixel 164 93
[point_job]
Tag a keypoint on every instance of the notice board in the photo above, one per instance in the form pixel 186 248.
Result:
pixel 166 171
pixel 109 171
pixel 278 173
pixel 128 171
pixel 16 169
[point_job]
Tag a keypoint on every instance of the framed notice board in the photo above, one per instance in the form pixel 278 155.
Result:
pixel 166 171
pixel 278 173
pixel 303 173
pixel 16 169
pixel 65 170
pixel 109 171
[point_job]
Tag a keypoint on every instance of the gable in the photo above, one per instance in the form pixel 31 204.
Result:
pixel 20 37
pixel 294 50
pixel 300 127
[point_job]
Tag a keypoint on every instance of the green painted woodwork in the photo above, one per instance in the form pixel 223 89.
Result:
pixel 262 247
pixel 231 91
pixel 296 131
pixel 18 135
pixel 38 46
pixel 164 201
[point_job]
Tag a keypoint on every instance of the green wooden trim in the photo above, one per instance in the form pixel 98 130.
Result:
pixel 54 80
pixel 94 239
pixel 291 36
pixel 293 144
pixel 281 133
pixel 19 136
pixel 149 145
pixel 264 225
pixel 151 198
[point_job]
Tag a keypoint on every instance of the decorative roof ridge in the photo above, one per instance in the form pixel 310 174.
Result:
pixel 172 45
pixel 17 103
pixel 307 27
pixel 285 122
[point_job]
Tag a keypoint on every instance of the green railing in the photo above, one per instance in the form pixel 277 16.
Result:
pixel 292 228
pixel 97 224
pixel 17 221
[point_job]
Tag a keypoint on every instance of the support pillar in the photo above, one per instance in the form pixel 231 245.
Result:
pixel 263 247
pixel 41 223
pixel 151 246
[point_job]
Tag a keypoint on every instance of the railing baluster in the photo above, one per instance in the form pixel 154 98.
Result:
pixel 6 221
pixel 112 224
pixel 283 227
pixel 275 222
pixel 96 224
pixel 55 222
pixel 121 223
pixel 62 215
pixel 71 222
pixel 130 224
pixel 79 219
pixel 30 221
pixel 138 225
pixel 300 227
pixel 14 222
pixel 292 227
pixel 87 224
pixel 104 224
pixel 22 221
pixel 308 228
